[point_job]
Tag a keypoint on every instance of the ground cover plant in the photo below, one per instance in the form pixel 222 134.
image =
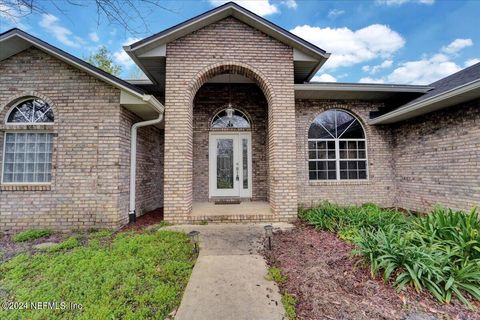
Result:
pixel 31 235
pixel 438 252
pixel 127 275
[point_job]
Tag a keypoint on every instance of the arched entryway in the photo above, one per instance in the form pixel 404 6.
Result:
pixel 219 166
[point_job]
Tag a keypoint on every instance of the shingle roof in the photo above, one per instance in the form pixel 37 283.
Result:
pixel 457 79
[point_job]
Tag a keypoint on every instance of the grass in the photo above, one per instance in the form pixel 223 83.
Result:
pixel 439 252
pixel 32 234
pixel 275 274
pixel 132 276
pixel 289 302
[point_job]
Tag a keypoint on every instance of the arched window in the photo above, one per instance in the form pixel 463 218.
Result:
pixel 31 111
pixel 336 147
pixel 230 118
pixel 27 155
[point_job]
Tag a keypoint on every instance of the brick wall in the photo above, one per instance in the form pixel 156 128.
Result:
pixel 228 46
pixel 379 188
pixel 91 155
pixel 149 177
pixel 437 159
pixel 212 98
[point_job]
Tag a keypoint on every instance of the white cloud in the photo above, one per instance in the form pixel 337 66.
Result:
pixel 292 4
pixel 50 23
pixel 121 57
pixel 93 36
pixel 423 71
pixel 260 7
pixel 371 80
pixel 384 65
pixel 400 2
pixel 335 13
pixel 457 45
pixel 471 62
pixel 324 77
pixel 351 47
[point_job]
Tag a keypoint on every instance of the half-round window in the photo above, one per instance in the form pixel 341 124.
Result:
pixel 336 147
pixel 230 119
pixel 31 111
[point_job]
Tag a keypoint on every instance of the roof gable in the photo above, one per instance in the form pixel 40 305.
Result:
pixel 308 58
pixel 15 40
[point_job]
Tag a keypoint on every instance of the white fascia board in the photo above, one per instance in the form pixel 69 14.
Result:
pixel 333 86
pixel 402 112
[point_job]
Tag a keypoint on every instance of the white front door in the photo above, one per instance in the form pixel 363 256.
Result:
pixel 230 164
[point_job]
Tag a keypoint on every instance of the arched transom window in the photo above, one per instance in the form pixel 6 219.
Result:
pixel 336 147
pixel 230 118
pixel 27 154
pixel 31 111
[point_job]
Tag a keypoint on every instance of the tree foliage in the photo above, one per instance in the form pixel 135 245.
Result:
pixel 103 59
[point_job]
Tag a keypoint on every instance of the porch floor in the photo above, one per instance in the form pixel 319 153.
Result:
pixel 247 208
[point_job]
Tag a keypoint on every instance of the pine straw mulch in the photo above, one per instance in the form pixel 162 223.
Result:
pixel 330 284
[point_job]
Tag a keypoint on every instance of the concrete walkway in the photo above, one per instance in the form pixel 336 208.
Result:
pixel 228 280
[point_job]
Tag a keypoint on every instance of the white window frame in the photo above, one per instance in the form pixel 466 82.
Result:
pixel 337 150
pixel 3 159
pixel 337 159
pixel 26 123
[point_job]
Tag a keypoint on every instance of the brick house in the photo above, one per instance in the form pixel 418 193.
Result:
pixel 228 115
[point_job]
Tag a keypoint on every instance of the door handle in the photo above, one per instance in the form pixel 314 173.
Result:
pixel 237 178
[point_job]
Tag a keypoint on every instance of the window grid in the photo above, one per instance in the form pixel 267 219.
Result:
pixel 27 157
pixel 349 161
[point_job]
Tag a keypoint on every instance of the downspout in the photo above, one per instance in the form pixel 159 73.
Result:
pixel 133 162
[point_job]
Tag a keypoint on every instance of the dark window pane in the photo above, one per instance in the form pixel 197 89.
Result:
pixel 361 154
pixel 362 174
pixel 343 165
pixel 31 111
pixel 312 165
pixel 331 165
pixel 313 175
pixel 354 132
pixel 352 165
pixel 321 145
pixel 352 175
pixel 331 154
pixel 352 154
pixel 311 144
pixel 312 155
pixel 362 165
pixel 343 174
pixel 331 145
pixel 322 175
pixel 352 145
pixel 342 144
pixel 322 154
pixel 321 165
pixel 332 175
pixel 361 144
pixel 343 154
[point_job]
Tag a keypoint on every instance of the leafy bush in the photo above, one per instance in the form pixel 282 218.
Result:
pixel 31 235
pixel 439 252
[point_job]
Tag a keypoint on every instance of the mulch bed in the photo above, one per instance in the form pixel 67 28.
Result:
pixel 148 219
pixel 331 284
pixel 9 248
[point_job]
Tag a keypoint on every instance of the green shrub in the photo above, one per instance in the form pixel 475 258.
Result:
pixel 275 274
pixel 31 235
pixel 439 252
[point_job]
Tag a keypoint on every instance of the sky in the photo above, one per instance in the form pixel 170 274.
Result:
pixel 377 41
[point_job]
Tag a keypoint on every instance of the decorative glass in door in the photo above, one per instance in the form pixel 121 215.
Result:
pixel 225 158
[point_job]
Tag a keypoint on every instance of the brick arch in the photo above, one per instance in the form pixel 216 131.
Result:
pixel 13 100
pixel 232 67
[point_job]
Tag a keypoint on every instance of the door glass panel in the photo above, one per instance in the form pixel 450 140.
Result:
pixel 225 164
pixel 245 162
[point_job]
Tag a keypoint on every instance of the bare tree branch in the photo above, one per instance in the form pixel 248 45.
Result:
pixel 129 14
